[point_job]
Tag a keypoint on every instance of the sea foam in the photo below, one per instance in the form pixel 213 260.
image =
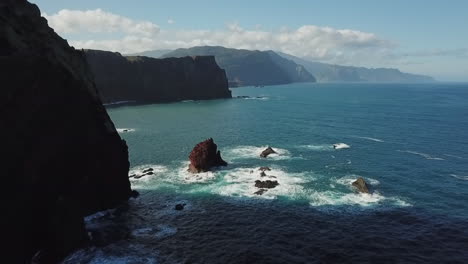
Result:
pixel 370 138
pixel 424 155
pixel 250 152
pixel 125 130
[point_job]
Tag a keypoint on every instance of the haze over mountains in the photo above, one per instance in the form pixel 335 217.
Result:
pixel 325 72
pixel 245 67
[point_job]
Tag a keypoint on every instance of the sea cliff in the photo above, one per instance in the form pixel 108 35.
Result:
pixel 62 158
pixel 149 80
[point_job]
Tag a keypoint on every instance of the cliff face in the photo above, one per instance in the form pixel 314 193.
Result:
pixel 250 67
pixel 62 157
pixel 149 80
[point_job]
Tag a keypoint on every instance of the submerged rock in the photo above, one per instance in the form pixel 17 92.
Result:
pixel 262 174
pixel 134 194
pixel 260 192
pixel 264 168
pixel 205 156
pixel 267 152
pixel 179 207
pixel 147 170
pixel 266 184
pixel 361 185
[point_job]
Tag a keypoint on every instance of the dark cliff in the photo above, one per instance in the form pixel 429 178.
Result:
pixel 61 157
pixel 250 67
pixel 150 80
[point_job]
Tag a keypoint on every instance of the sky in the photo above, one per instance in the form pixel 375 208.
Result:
pixel 425 37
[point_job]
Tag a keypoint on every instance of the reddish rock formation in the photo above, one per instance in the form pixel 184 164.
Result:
pixel 204 156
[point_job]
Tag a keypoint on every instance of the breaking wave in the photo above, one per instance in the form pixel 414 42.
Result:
pixel 253 152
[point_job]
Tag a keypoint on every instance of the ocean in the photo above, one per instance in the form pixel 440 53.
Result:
pixel 408 141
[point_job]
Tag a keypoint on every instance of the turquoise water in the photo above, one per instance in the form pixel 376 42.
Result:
pixel 409 142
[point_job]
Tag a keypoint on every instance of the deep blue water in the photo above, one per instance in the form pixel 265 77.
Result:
pixel 410 142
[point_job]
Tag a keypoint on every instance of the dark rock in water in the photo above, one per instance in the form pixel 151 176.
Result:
pixel 134 194
pixel 205 156
pixel 149 173
pixel 179 207
pixel 51 120
pixel 131 176
pixel 260 192
pixel 266 184
pixel 147 170
pixel 263 174
pixel 264 169
pixel 108 233
pixel 125 130
pixel 243 97
pixel 267 152
pixel 150 80
pixel 361 185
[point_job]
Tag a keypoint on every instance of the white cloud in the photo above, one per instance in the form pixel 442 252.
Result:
pixel 98 21
pixel 319 43
pixel 170 21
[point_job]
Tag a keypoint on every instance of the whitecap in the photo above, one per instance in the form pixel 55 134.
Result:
pixel 125 130
pixel 240 182
pixel 262 98
pixel 141 180
pixel 460 177
pixel 322 147
pixel 361 199
pixel 250 152
pixel 349 179
pixel 424 155
pixel 341 146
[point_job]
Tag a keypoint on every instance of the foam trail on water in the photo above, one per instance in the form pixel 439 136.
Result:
pixel 465 178
pixel 424 155
pixel 370 138
pixel 318 147
pixel 453 156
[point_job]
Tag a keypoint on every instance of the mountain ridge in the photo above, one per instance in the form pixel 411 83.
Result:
pixel 250 67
